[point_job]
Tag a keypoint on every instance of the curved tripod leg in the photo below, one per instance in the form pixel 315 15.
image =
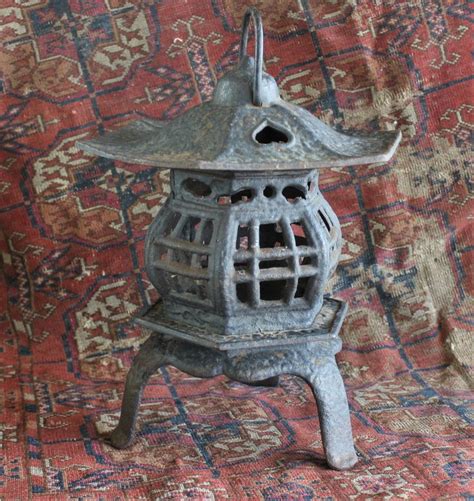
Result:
pixel 333 409
pixel 148 360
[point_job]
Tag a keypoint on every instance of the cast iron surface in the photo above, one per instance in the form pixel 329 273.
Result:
pixel 222 138
pixel 243 253
pixel 312 360
pixel 325 326
pixel 223 134
pixel 243 248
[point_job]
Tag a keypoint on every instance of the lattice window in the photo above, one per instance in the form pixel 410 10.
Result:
pixel 183 248
pixel 274 262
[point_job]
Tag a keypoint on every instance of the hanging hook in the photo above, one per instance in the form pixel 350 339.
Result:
pixel 252 13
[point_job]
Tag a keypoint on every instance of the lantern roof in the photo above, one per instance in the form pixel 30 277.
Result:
pixel 245 127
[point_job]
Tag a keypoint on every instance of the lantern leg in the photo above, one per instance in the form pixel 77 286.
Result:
pixel 150 358
pixel 333 410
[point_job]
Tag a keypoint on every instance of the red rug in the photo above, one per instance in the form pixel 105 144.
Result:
pixel 72 232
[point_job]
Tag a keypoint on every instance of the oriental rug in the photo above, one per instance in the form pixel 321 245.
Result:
pixel 72 230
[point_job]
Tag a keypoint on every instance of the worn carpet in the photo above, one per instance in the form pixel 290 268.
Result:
pixel 72 232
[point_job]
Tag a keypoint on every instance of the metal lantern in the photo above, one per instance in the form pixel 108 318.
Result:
pixel 245 244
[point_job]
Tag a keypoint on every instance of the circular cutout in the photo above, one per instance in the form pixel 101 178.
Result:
pixel 269 191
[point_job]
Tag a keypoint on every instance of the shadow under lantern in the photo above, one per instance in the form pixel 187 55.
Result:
pixel 242 249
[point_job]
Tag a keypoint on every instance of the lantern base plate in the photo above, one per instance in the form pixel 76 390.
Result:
pixel 326 325
pixel 313 359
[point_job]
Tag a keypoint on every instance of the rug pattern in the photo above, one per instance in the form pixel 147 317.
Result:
pixel 72 230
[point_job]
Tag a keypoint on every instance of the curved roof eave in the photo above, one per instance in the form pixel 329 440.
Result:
pixel 222 138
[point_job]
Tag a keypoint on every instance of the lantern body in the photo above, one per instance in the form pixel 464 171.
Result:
pixel 238 253
pixel 243 247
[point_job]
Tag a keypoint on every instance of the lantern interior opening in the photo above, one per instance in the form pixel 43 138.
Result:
pixel 269 135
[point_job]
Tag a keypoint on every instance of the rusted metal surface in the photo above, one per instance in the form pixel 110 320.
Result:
pixel 324 326
pixel 313 361
pixel 223 138
pixel 242 249
pixel 235 254
pixel 225 134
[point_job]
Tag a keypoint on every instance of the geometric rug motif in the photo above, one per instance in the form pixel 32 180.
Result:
pixel 72 230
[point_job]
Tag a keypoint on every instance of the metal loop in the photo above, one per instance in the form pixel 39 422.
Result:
pixel 253 13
